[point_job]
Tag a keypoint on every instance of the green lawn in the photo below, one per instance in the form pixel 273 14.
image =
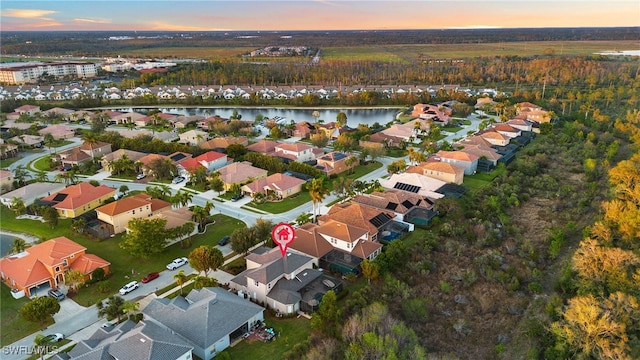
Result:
pixel 289 332
pixel 479 180
pixel 287 204
pixel 124 266
pixel 42 163
pixel 362 170
pixel 10 318
pixel 453 129
pixel 4 163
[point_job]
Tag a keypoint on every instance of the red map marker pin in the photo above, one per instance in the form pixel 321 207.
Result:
pixel 283 234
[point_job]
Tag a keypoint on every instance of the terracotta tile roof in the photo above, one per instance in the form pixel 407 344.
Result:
pixel 310 242
pixel 457 155
pixel 210 156
pixel 99 144
pixel 117 155
pixel 239 172
pixel 505 128
pixel 263 146
pixel 224 142
pixel 147 159
pixel 56 130
pixel 78 195
pixel 15 268
pixel 74 155
pixel 341 230
pixel 276 181
pixel 132 202
pixel 356 214
pixel 435 166
pixel 191 165
pixel 364 249
pixel 86 263
pixel 493 135
pixel 52 251
pixel 5 174
pixel 27 108
pixel 297 147
pixel 392 200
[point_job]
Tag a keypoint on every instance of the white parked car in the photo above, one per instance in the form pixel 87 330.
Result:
pixel 141 176
pixel 128 288
pixel 176 263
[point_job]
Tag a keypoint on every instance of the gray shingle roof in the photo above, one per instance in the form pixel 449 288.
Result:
pixel 287 291
pixel 212 314
pixel 145 340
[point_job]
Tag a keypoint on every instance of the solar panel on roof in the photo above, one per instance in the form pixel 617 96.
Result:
pixel 392 206
pixel 60 197
pixel 339 156
pixel 406 187
pixel 380 220
pixel 407 204
pixel 178 157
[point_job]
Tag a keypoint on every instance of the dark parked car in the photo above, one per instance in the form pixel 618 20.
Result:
pixel 150 276
pixel 56 294
pixel 224 241
pixel 237 197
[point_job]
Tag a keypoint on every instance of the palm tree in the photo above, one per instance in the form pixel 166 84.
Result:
pixel 91 139
pixel 41 176
pixel 49 140
pixel 180 278
pixel 317 191
pixel 18 246
pixel 42 344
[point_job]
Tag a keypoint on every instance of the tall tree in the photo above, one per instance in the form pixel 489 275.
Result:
pixel 242 240
pixel 327 318
pixel 40 309
pixel 18 206
pixel 181 278
pixel 317 191
pixel 91 139
pixel 369 270
pixel 18 245
pixel 112 308
pixel 206 258
pixel 74 279
pixel 146 237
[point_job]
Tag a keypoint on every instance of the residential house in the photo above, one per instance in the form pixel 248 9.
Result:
pixel 59 132
pixel 134 156
pixel 129 340
pixel 263 146
pixel 210 319
pixel 127 117
pixel 6 181
pixel 278 281
pixel 31 141
pixel 303 129
pixel 494 137
pixel 371 219
pixel 209 123
pixel 240 173
pixel 335 162
pixel 415 183
pixel 62 113
pixel 212 160
pixel 432 112
pixel 182 121
pixel 42 266
pixel 469 162
pixel 78 199
pixel 193 137
pixel 297 151
pixel 155 119
pixel 439 170
pixel 400 131
pixel 520 124
pixel 336 246
pixel 30 110
pixel 30 192
pixel 221 143
pixel 507 130
pixel 7 150
pixel 279 184
pixel 117 214
pixel 532 112
pixel 85 152
pixel 488 157
pixel 483 102
pixel 148 160
pixel 407 207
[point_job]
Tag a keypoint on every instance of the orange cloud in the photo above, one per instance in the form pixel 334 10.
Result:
pixel 173 27
pixel 28 13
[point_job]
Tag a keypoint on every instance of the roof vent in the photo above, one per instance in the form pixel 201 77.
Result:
pixel 143 340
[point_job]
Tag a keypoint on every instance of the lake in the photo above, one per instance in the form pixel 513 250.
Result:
pixel 354 116
pixel 6 242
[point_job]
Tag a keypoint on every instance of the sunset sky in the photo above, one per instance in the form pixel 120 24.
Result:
pixel 210 15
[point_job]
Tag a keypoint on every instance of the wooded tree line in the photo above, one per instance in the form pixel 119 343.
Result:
pixel 95 43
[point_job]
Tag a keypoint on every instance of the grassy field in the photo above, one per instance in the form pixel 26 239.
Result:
pixel 289 332
pixel 190 52
pixel 400 53
pixel 4 163
pixel 285 205
pixel 10 318
pixel 42 163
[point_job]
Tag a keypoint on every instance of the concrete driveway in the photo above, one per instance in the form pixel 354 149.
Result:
pixel 68 309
